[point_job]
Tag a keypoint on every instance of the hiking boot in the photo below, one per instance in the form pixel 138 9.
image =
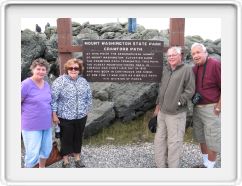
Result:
pixel 79 164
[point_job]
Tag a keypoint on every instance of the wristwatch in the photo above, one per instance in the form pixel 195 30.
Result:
pixel 179 103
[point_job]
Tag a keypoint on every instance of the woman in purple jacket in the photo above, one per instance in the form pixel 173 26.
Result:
pixel 36 115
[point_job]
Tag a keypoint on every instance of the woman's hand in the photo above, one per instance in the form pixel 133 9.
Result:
pixel 55 118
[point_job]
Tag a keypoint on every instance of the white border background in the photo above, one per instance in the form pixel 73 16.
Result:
pixel 11 171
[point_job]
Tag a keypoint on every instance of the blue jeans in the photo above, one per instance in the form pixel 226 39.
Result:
pixel 38 144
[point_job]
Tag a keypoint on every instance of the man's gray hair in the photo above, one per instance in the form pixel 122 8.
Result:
pixel 199 45
pixel 176 48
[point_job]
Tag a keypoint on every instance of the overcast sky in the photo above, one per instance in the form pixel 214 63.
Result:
pixel 207 28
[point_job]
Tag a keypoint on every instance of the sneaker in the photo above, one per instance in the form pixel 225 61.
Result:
pixel 67 165
pixel 79 164
pixel 199 166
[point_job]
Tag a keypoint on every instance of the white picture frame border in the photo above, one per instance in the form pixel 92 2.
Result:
pixel 6 104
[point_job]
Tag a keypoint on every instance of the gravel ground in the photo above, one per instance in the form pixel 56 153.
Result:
pixel 132 156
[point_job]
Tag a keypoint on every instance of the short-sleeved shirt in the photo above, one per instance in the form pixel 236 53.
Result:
pixel 210 89
pixel 36 106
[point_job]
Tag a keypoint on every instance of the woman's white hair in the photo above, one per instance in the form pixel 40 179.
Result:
pixel 199 45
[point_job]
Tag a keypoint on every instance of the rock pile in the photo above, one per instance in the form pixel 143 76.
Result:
pixel 111 101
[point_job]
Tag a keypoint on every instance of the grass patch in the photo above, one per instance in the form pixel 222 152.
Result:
pixel 188 136
pixel 135 131
pixel 120 133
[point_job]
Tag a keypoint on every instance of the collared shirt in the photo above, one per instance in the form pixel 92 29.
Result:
pixel 71 99
pixel 211 88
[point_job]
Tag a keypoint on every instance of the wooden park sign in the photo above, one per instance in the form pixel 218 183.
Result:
pixel 142 68
pixel 123 60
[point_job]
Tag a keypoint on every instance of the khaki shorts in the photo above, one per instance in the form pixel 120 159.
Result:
pixel 207 127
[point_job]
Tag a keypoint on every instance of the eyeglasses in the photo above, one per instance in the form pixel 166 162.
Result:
pixel 172 55
pixel 73 68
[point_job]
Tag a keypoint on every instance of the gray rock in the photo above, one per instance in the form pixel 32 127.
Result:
pixel 216 56
pixel 51 51
pixel 111 27
pixel 140 28
pixel 87 30
pixel 149 34
pixel 75 24
pixel 212 48
pixel 101 116
pixel 25 71
pixel 108 35
pixel 123 101
pixel 130 99
pixel 32 46
pixel 76 30
pixel 129 36
pixel 195 39
pixel 86 34
pixel 85 24
pixel 49 31
pixel 100 90
pixel 217 42
pixel 95 27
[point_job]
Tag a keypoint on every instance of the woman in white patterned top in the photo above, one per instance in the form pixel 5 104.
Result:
pixel 71 102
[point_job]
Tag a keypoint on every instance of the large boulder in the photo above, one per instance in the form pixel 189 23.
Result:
pixel 130 99
pixel 149 34
pixel 76 28
pixel 49 31
pixel 101 116
pixel 111 27
pixel 32 46
pixel 51 50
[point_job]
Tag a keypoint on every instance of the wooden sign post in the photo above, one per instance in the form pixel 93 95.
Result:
pixel 177 28
pixel 65 47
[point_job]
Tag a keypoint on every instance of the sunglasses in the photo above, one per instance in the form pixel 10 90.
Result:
pixel 73 68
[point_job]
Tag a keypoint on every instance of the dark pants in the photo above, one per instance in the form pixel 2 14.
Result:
pixel 71 135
